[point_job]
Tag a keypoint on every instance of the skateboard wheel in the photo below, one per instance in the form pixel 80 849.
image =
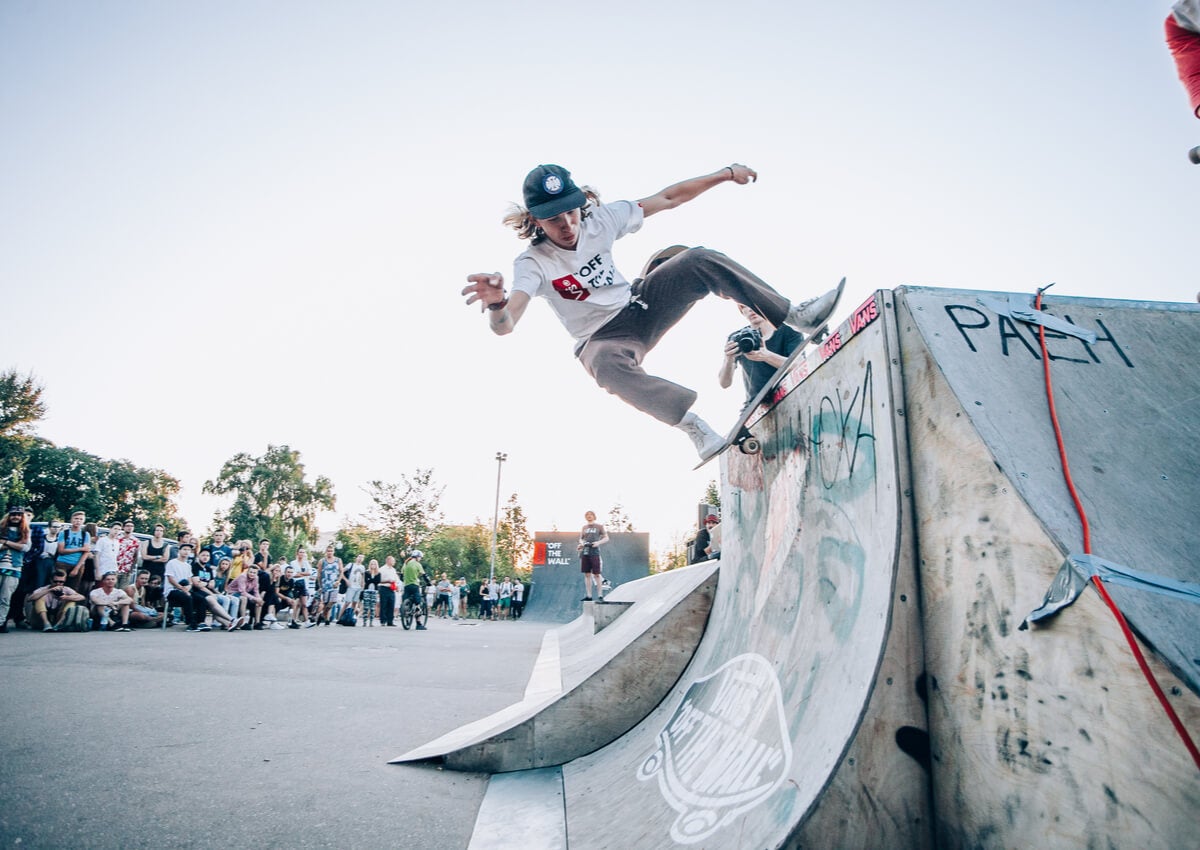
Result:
pixel 750 446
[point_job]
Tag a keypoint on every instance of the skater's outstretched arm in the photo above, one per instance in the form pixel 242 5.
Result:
pixel 684 191
pixel 488 290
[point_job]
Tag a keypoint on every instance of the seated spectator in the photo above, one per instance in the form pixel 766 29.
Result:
pixel 204 593
pixel 245 590
pixel 285 588
pixel 269 578
pixel 51 603
pixel 178 575
pixel 141 613
pixel 107 596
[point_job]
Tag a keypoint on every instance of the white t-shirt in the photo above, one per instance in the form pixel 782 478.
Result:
pixel 100 598
pixel 106 549
pixel 582 286
pixel 180 570
pixel 357 571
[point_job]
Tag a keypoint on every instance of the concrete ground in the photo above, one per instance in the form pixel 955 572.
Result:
pixel 268 739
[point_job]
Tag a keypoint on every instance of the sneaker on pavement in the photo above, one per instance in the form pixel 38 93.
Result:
pixel 270 618
pixel 810 315
pixel 292 626
pixel 310 624
pixel 204 627
pixel 707 441
pixel 276 627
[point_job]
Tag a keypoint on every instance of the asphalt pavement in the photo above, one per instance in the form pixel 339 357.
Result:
pixel 267 739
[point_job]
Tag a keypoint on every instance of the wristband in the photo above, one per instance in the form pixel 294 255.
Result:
pixel 499 305
pixel 732 176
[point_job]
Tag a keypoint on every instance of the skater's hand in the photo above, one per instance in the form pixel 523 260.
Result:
pixel 742 174
pixel 485 288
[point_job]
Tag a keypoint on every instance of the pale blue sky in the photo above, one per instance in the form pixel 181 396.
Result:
pixel 269 209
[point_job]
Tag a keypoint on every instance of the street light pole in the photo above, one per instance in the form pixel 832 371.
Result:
pixel 500 458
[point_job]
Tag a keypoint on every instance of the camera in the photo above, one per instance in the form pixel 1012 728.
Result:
pixel 748 339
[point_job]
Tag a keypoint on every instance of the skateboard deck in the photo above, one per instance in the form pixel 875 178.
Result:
pixel 740 435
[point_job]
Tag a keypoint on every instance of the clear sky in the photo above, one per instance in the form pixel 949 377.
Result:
pixel 228 224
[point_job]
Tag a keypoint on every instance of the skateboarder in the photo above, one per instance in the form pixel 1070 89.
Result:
pixel 569 262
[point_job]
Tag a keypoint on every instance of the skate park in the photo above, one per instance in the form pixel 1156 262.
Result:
pixel 868 672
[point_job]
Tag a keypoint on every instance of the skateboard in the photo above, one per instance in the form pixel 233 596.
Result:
pixel 740 435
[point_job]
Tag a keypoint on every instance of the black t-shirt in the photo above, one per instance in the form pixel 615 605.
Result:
pixel 703 539
pixel 372 581
pixel 755 373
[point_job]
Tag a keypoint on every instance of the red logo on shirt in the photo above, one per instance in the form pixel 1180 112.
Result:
pixel 570 288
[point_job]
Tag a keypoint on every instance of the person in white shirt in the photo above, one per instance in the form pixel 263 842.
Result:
pixel 106 597
pixel 569 263
pixel 106 550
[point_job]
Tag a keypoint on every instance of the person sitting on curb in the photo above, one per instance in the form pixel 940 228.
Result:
pixel 141 613
pixel 104 598
pixel 52 602
pixel 244 588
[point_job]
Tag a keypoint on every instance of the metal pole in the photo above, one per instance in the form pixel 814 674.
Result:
pixel 500 458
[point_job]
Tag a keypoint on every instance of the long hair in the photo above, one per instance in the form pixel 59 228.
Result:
pixel 21 525
pixel 519 219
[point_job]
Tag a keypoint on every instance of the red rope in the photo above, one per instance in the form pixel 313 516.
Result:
pixel 1087 549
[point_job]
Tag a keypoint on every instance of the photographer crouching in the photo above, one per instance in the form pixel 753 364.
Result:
pixel 760 349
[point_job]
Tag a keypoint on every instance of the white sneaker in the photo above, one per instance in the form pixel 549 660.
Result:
pixel 810 315
pixel 276 626
pixel 707 441
pixel 270 618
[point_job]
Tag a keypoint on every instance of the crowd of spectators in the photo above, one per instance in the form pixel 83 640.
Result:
pixel 74 576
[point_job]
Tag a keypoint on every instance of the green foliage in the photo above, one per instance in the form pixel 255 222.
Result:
pixel 58 481
pixel 272 499
pixel 407 514
pixel 618 520
pixel 712 494
pixel 461 550
pixel 514 543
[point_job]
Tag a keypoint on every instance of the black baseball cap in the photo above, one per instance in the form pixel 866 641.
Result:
pixel 549 190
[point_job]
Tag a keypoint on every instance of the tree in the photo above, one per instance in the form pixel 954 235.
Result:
pixel 618 520
pixel 513 541
pixel 712 494
pixel 462 550
pixel 21 407
pixel 272 498
pixel 408 513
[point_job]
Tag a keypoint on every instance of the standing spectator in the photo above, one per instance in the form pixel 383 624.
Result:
pixel 330 573
pixel 52 602
pixel 444 588
pixel 463 595
pixel 155 553
pixel 177 589
pixel 591 537
pixel 355 584
pixel 494 592
pixel 518 598
pixel 388 581
pixel 242 558
pixel 485 600
pixel 104 598
pixel 73 543
pixel 302 574
pixel 106 550
pixel 370 596
pixel 506 589
pixel 15 541
pixel 127 555
pixel 218 548
pixel 262 558
pixel 35 568
pixel 141 613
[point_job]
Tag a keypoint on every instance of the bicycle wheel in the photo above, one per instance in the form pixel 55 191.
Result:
pixel 406 614
pixel 422 615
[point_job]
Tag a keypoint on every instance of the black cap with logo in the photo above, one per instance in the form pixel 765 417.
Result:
pixel 549 190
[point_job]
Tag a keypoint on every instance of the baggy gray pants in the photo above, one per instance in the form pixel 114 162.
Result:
pixel 613 355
